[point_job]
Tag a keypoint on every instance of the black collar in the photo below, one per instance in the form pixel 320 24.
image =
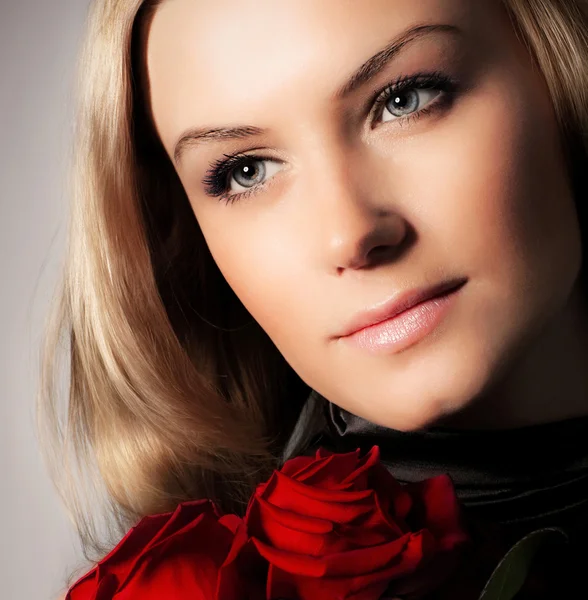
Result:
pixel 523 478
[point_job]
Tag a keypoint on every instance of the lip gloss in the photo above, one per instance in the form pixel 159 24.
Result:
pixel 405 329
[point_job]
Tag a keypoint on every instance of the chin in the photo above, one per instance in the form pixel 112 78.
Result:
pixel 418 415
pixel 443 394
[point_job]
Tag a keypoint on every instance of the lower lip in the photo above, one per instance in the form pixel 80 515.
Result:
pixel 405 329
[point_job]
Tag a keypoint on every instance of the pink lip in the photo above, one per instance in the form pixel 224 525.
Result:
pixel 399 304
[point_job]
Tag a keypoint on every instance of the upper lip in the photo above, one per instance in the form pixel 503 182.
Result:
pixel 399 303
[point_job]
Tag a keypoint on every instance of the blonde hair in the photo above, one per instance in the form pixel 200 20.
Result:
pixel 175 392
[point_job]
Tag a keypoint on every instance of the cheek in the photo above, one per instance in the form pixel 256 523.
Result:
pixel 261 261
pixel 499 205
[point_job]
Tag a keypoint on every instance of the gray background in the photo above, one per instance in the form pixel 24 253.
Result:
pixel 38 48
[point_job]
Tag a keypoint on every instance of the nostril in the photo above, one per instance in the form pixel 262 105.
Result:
pixel 380 253
pixel 380 249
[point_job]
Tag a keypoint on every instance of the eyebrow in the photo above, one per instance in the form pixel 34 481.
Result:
pixel 367 71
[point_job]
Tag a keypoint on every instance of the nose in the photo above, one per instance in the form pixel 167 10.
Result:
pixel 359 224
pixel 364 238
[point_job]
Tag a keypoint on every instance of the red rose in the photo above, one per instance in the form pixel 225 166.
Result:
pixel 183 554
pixel 339 526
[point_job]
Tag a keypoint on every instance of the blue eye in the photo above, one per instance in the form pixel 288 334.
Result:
pixel 414 96
pixel 251 171
pixel 401 104
pixel 237 176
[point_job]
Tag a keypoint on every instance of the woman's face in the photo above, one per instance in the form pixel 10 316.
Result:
pixel 332 197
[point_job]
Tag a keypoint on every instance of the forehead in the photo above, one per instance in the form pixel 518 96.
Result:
pixel 238 60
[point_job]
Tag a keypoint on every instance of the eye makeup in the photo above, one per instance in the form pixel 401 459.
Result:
pixel 218 179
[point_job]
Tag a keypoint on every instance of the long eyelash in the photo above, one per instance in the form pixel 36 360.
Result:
pixel 435 80
pixel 217 177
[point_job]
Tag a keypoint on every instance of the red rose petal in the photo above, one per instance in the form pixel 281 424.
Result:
pixel 292 520
pixel 399 557
pixel 163 556
pixel 339 526
pixel 280 482
pixel 436 507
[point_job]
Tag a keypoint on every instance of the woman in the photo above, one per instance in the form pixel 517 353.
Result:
pixel 259 187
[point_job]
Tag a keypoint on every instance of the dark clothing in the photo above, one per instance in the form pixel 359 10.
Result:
pixel 518 480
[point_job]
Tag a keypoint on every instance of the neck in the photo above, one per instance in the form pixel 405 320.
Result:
pixel 547 383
